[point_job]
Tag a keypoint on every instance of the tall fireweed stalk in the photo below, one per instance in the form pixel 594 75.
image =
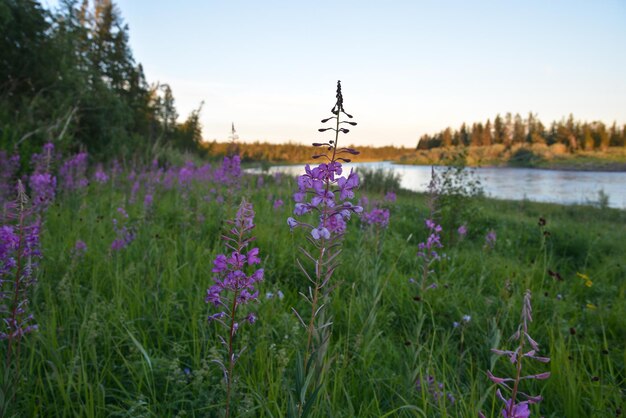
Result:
pixel 235 280
pixel 324 195
pixel 427 250
pixel 513 407
pixel 19 253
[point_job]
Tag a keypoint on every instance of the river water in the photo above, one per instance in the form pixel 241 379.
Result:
pixel 556 186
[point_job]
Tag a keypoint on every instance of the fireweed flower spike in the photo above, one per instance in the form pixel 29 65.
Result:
pixel 324 194
pixel 235 281
pixel 19 253
pixel 427 251
pixel 513 408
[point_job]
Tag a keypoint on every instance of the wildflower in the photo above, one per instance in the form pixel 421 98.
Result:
pixel 147 200
pixel 462 231
pixel 80 248
pixel 513 408
pixel 390 197
pixel 73 172
pixel 235 283
pixel 100 176
pixel 466 318
pixel 325 192
pixel 434 389
pixel 19 254
pixel 278 203
pixel 43 187
pixel 427 251
pixel 378 217
pixel 124 234
pixel 586 278
pixel 490 239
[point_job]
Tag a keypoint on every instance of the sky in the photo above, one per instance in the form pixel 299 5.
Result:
pixel 407 67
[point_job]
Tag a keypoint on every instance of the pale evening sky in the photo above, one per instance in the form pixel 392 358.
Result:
pixel 407 67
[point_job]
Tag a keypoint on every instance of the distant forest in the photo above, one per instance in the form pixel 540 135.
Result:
pixel 70 77
pixel 296 153
pixel 514 130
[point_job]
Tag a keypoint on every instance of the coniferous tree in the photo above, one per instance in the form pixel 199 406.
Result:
pixel 499 131
pixel 487 136
pixel 519 130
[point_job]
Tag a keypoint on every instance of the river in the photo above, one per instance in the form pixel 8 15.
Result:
pixel 556 186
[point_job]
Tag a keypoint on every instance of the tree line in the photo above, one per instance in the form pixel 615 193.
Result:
pixel 511 130
pixel 295 153
pixel 69 76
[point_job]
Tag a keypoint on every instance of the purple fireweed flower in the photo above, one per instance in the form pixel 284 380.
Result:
pixel 19 255
pixel 490 239
pixel 434 389
pixel 330 196
pixel 251 318
pixel 320 232
pixel 231 269
pixel 513 408
pixel 377 216
pixel 427 251
pixel 390 197
pixel 43 187
pixel 229 172
pixel 73 172
pixel 124 234
pixel 278 203
pixel 462 231
pixel 133 192
pixel 122 212
pixel 234 283
pixel 80 248
pixel 323 208
pixel 42 163
pixel 100 176
pixel 147 201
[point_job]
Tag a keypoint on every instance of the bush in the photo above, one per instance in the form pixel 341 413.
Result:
pixel 378 180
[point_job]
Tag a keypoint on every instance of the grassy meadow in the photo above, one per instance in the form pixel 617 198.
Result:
pixel 125 333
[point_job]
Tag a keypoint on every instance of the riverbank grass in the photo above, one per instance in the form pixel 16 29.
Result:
pixel 125 333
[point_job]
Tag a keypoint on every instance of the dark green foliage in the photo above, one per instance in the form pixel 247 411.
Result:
pixel 70 77
pixel 524 157
pixel 378 180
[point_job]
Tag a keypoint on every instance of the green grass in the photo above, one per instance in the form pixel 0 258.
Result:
pixel 125 334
